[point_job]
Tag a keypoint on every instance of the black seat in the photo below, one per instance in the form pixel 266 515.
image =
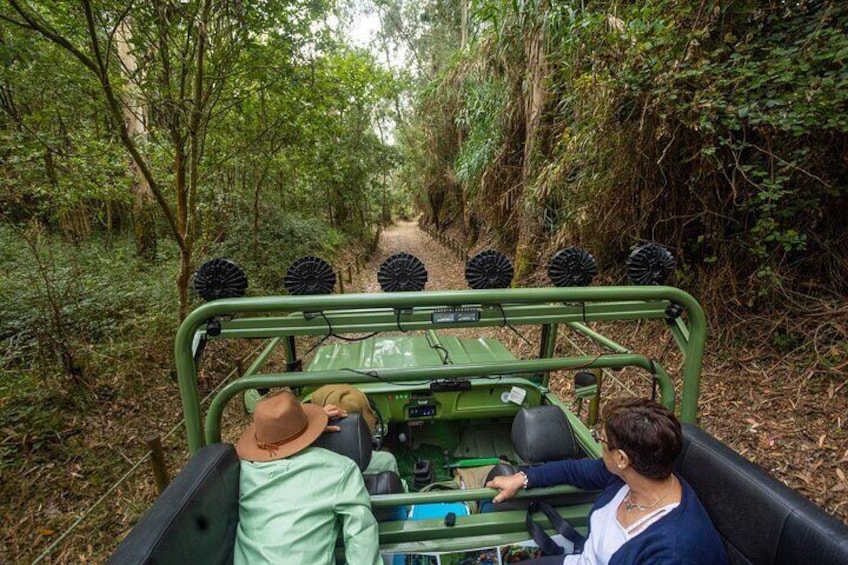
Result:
pixel 543 433
pixel 539 434
pixel 386 482
pixel 760 520
pixel 354 441
pixel 194 520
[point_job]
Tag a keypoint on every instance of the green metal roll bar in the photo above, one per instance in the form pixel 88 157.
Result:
pixel 289 316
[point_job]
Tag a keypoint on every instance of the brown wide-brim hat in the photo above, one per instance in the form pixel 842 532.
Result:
pixel 281 427
pixel 348 398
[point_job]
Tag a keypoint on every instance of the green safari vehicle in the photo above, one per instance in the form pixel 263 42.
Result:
pixel 454 404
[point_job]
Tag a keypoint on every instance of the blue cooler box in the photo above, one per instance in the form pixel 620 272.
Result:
pixel 437 510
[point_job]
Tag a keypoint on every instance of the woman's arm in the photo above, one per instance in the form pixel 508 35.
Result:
pixel 589 474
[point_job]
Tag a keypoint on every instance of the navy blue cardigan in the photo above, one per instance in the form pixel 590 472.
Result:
pixel 684 535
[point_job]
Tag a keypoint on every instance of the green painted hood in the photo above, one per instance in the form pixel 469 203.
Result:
pixel 407 351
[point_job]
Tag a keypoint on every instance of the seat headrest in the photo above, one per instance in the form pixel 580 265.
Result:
pixel 386 482
pixel 353 440
pixel 500 470
pixel 543 433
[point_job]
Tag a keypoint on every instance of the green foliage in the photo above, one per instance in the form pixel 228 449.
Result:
pixel 282 239
pixel 54 156
pixel 718 129
pixel 32 416
pixel 482 118
pixel 72 308
pixel 764 98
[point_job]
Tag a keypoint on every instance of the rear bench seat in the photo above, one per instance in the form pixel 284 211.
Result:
pixel 761 520
pixel 194 520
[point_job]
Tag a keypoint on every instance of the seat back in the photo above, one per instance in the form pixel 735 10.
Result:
pixel 194 520
pixel 386 482
pixel 543 433
pixel 540 434
pixel 352 440
pixel 760 520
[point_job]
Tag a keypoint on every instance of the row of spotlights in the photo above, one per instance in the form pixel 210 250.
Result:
pixel 649 264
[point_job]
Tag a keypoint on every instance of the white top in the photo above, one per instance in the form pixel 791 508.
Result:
pixel 607 535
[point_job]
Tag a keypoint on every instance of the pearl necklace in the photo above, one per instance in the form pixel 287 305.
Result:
pixel 631 506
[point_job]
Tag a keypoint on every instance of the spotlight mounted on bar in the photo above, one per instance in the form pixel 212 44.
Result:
pixel 219 278
pixel 572 266
pixel 402 272
pixel 310 275
pixel 650 265
pixel 489 269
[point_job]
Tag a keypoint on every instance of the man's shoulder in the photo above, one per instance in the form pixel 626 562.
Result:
pixel 328 458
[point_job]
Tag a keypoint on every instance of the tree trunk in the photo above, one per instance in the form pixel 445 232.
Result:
pixel 144 205
pixel 464 31
pixel 531 223
pixel 255 239
pixel 182 281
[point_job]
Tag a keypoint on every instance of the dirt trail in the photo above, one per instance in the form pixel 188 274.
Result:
pixel 445 271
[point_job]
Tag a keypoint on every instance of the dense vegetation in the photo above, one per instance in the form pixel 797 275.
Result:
pixel 139 139
pixel 220 127
pixel 718 129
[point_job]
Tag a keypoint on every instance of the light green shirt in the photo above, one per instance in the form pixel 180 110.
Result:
pixel 381 461
pixel 291 511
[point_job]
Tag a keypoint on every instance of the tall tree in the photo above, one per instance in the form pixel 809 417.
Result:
pixel 187 54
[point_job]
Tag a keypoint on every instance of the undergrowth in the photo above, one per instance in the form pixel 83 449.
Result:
pixel 718 130
pixel 87 331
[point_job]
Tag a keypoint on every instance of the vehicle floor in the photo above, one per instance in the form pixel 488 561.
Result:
pixel 475 442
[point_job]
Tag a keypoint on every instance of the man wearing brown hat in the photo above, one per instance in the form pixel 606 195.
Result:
pixel 293 497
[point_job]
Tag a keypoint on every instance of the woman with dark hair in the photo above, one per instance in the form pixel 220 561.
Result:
pixel 645 513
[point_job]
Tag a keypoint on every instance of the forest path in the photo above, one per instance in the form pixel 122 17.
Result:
pixel 445 271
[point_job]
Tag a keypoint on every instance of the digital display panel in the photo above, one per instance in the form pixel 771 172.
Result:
pixel 426 411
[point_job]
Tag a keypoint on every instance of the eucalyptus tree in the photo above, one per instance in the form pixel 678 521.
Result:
pixel 164 70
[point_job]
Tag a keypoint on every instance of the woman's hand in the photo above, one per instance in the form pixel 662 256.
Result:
pixel 333 411
pixel 508 485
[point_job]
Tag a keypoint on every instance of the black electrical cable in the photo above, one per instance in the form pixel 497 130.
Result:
pixel 376 376
pixel 446 360
pixel 397 320
pixel 510 326
pixel 330 333
pixel 343 338
pixel 323 338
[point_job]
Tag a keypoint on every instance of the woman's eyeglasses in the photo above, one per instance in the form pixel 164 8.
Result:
pixel 596 435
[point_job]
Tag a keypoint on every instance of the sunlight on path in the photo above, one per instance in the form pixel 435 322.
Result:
pixel 445 271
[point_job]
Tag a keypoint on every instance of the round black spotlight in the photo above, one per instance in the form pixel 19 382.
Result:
pixel 650 265
pixel 402 272
pixel 310 275
pixel 219 278
pixel 489 269
pixel 572 266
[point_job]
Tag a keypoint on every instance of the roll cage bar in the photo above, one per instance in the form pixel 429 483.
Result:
pixel 284 317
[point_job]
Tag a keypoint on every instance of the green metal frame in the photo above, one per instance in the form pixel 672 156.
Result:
pixel 287 316
pixel 278 320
